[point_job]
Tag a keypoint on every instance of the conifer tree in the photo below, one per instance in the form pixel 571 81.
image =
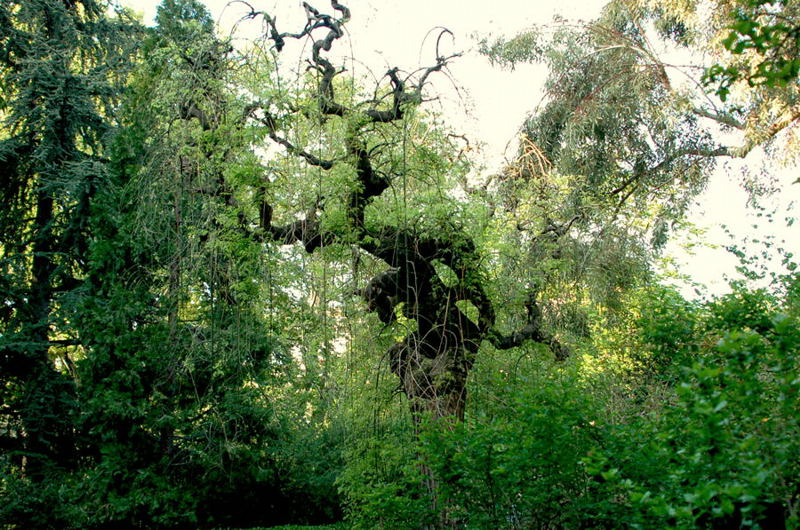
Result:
pixel 59 85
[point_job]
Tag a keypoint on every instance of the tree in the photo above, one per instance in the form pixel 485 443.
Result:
pixel 59 92
pixel 180 357
pixel 624 139
pixel 433 266
pixel 136 355
pixel 366 179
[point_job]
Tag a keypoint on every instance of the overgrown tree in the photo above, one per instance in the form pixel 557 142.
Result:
pixel 433 267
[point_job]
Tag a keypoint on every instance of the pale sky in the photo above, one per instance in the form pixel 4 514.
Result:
pixel 489 104
pixel 384 34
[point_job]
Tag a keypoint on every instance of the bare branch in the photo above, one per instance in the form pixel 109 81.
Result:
pixel 270 122
pixel 308 157
pixel 328 105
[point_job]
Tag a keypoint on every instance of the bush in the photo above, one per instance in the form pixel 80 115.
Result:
pixel 726 454
pixel 520 466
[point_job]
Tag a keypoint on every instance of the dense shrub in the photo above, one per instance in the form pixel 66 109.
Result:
pixel 520 467
pixel 720 450
pixel 725 453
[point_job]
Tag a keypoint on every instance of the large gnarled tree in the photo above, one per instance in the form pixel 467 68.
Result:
pixel 431 274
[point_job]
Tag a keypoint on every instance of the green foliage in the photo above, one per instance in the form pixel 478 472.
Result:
pixel 176 384
pixel 707 436
pixel 341 526
pixel 768 33
pixel 518 465
pixel 384 481
pixel 162 364
pixel 724 451
pixel 58 91
pixel 166 395
pixel 669 329
pixel 743 309
pixel 608 161
pixel 522 48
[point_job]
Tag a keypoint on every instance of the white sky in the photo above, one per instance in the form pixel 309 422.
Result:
pixel 384 34
pixel 490 104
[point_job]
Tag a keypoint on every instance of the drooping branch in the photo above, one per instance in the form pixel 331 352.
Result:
pixel 533 331
pixel 272 130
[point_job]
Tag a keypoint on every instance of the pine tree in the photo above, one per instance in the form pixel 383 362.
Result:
pixel 61 64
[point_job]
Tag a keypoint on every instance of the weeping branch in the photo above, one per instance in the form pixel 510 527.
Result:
pixel 533 331
pixel 433 361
